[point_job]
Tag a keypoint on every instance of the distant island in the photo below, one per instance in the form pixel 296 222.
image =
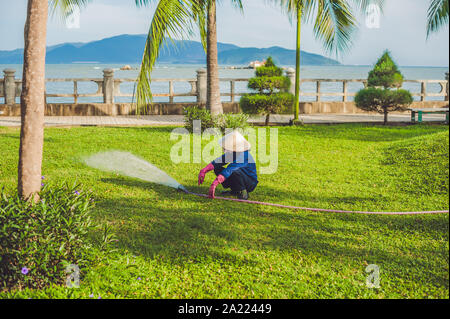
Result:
pixel 129 49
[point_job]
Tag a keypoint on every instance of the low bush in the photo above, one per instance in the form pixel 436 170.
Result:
pixel 268 71
pixel 383 94
pixel 39 240
pixel 271 92
pixel 269 85
pixel 232 121
pixel 195 113
pixel 221 122
pixel 267 104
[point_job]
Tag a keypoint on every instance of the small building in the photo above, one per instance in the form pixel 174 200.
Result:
pixel 256 64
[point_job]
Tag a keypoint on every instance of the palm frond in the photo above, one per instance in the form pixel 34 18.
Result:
pixel 172 18
pixel 334 24
pixel 437 15
pixel 362 5
pixel 64 8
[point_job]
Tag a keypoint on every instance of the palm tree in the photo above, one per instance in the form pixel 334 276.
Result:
pixel 32 99
pixel 213 102
pixel 334 25
pixel 437 15
pixel 174 18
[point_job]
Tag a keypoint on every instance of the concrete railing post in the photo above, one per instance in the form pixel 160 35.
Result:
pixel 345 91
pixel 202 86
pixel 423 91
pixel 108 86
pixel 447 87
pixel 10 86
pixel 318 91
pixel 290 73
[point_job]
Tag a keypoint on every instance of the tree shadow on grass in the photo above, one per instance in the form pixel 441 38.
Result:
pixel 194 229
pixel 364 132
pixel 17 137
pixel 357 132
pixel 175 228
pixel 173 234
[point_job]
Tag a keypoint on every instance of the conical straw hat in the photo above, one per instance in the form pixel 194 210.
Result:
pixel 234 142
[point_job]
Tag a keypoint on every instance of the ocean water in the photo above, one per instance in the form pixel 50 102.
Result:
pixel 169 71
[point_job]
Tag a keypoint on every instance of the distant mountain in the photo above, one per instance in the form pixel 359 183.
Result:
pixel 281 55
pixel 129 49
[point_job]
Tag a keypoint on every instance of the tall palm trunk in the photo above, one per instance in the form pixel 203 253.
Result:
pixel 213 102
pixel 32 100
pixel 297 65
pixel 385 112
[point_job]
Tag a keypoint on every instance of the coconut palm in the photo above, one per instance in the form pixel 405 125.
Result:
pixel 437 15
pixel 32 99
pixel 334 26
pixel 179 19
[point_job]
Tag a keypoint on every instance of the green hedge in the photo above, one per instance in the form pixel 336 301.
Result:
pixel 269 71
pixel 269 84
pixel 375 99
pixel 267 104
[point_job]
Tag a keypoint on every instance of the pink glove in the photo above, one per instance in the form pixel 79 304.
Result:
pixel 201 175
pixel 212 190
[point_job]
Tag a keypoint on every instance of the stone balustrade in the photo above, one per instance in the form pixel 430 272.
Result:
pixel 108 89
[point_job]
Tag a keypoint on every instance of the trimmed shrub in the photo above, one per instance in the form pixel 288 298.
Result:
pixel 268 71
pixel 38 241
pixel 269 85
pixel 383 94
pixel 376 99
pixel 272 96
pixel 267 104
pixel 385 73
pixel 270 63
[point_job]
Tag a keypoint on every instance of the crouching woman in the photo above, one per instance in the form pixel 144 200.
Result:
pixel 235 169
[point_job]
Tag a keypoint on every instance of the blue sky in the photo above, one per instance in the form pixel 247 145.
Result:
pixel 402 29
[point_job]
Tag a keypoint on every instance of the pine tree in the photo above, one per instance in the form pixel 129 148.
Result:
pixel 271 95
pixel 384 93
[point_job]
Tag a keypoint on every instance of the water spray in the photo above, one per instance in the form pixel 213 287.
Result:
pixel 127 164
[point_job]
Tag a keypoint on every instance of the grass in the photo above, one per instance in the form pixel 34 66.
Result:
pixel 177 246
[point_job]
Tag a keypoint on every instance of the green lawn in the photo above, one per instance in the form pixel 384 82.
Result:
pixel 176 246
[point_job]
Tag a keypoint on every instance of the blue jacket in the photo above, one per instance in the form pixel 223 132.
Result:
pixel 241 161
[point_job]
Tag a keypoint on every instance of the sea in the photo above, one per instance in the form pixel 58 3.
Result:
pixel 174 71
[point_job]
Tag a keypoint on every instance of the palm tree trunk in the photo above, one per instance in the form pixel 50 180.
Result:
pixel 213 102
pixel 385 116
pixel 32 100
pixel 297 65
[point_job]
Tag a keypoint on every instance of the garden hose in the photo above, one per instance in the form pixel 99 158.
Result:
pixel 183 189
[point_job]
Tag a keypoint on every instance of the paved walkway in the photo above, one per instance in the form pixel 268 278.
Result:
pixel 158 120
